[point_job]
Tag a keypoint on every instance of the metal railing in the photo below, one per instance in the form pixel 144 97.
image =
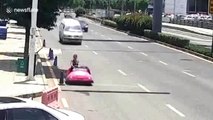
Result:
pixel 195 23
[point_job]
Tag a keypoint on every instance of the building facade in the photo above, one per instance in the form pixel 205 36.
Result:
pixel 184 6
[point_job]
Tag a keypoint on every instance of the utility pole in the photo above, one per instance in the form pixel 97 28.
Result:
pixel 135 5
pixel 157 16
pixel 211 12
pixel 122 7
pixel 174 7
pixel 31 62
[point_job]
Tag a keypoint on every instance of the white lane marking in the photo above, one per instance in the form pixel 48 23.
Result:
pixel 64 102
pixel 189 74
pixel 86 46
pixel 102 35
pixel 92 30
pixel 143 54
pixel 95 52
pixel 163 63
pixel 175 110
pixel 144 88
pixel 123 73
pixel 184 53
pixel 119 42
pixel 95 32
pixel 130 47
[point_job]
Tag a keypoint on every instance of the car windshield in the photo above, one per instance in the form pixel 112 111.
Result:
pixel 73 28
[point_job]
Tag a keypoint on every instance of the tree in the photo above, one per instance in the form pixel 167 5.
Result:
pixel 21 11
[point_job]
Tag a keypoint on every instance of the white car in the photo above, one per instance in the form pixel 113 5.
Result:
pixel 12 108
pixel 70 31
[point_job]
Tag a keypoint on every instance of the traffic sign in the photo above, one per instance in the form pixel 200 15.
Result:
pixel 211 6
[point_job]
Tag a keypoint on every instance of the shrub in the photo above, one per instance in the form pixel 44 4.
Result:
pixel 109 23
pixel 179 42
pixel 200 49
pixel 135 23
pixel 176 41
pixel 151 35
pixel 80 11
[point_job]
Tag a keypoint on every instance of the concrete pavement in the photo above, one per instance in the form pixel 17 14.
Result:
pixel 13 83
pixel 140 67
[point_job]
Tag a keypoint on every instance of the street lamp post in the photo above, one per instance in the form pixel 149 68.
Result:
pixel 32 40
pixel 157 16
pixel 174 7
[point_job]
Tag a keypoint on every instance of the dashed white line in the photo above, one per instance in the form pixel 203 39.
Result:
pixel 189 74
pixel 119 42
pixel 130 47
pixel 144 88
pixel 86 46
pixel 92 30
pixel 143 54
pixel 102 35
pixel 123 73
pixel 95 52
pixel 163 63
pixel 64 102
pixel 175 110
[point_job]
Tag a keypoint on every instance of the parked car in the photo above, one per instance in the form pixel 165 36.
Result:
pixel 189 17
pixel 84 25
pixel 12 108
pixel 70 31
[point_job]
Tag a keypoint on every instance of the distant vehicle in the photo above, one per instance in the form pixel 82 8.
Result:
pixel 12 108
pixel 79 75
pixel 189 17
pixel 84 25
pixel 70 31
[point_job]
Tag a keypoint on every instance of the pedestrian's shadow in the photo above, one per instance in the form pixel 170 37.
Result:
pixel 12 54
pixel 8 65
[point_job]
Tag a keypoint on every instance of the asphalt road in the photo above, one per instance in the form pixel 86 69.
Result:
pixel 193 37
pixel 134 79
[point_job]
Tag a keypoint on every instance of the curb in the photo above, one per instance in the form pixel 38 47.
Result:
pixel 31 95
pixel 172 46
pixel 186 30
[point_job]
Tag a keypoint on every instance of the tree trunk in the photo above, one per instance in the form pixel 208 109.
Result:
pixel 27 38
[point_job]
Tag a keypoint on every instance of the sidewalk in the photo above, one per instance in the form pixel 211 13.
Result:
pixel 11 82
pixel 197 30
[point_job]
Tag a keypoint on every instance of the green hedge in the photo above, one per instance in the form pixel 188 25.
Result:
pixel 200 49
pixel 79 11
pixel 135 23
pixel 109 23
pixel 176 41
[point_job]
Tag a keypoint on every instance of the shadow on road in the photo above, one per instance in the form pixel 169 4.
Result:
pixel 15 38
pixel 105 40
pixel 50 70
pixel 111 91
pixel 8 65
pixel 12 54
pixel 17 33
